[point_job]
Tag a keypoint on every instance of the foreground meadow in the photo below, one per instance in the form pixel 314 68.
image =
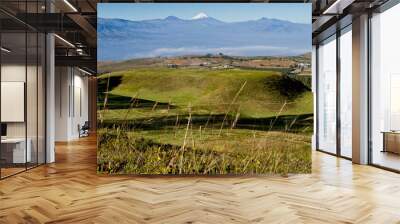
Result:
pixel 203 121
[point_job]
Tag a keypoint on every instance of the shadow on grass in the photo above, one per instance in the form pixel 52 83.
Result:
pixel 288 123
pixel 123 102
pixel 286 86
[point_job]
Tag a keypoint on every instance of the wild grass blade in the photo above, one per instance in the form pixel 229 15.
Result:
pixel 185 138
pixel 230 106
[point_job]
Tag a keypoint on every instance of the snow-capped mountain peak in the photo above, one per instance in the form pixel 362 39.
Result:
pixel 200 15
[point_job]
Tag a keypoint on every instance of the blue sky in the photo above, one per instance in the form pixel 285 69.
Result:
pixel 228 12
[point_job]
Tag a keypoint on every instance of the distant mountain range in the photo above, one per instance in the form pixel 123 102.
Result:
pixel 120 39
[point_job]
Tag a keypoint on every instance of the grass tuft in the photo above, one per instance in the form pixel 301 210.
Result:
pixel 121 153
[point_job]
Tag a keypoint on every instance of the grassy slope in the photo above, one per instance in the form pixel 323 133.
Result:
pixel 207 151
pixel 263 95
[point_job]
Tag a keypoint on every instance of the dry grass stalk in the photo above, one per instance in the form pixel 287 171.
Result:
pixel 208 120
pixel 105 99
pixel 192 137
pixel 176 127
pixel 106 93
pixel 291 124
pixel 154 106
pixel 185 138
pixel 230 106
pixel 212 125
pixel 200 132
pixel 169 103
pixel 131 105
pixel 254 139
pixel 236 118
pixel 277 116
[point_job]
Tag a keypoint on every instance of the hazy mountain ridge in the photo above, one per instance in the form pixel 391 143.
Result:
pixel 123 39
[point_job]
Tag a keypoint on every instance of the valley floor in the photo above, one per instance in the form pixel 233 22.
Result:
pixel 70 191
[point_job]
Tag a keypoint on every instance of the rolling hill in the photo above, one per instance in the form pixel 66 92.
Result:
pixel 263 95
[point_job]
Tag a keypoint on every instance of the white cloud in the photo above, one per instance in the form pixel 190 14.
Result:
pixel 252 50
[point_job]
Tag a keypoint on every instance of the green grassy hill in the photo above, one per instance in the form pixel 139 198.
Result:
pixel 240 121
pixel 265 93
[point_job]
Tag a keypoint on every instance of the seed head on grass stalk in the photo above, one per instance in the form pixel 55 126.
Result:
pixel 184 139
pixel 236 118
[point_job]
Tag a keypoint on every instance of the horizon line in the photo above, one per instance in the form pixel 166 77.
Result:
pixel 143 20
pixel 203 55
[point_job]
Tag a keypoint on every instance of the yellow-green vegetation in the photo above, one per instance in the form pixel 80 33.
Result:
pixel 211 139
pixel 159 120
pixel 121 153
pixel 263 95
